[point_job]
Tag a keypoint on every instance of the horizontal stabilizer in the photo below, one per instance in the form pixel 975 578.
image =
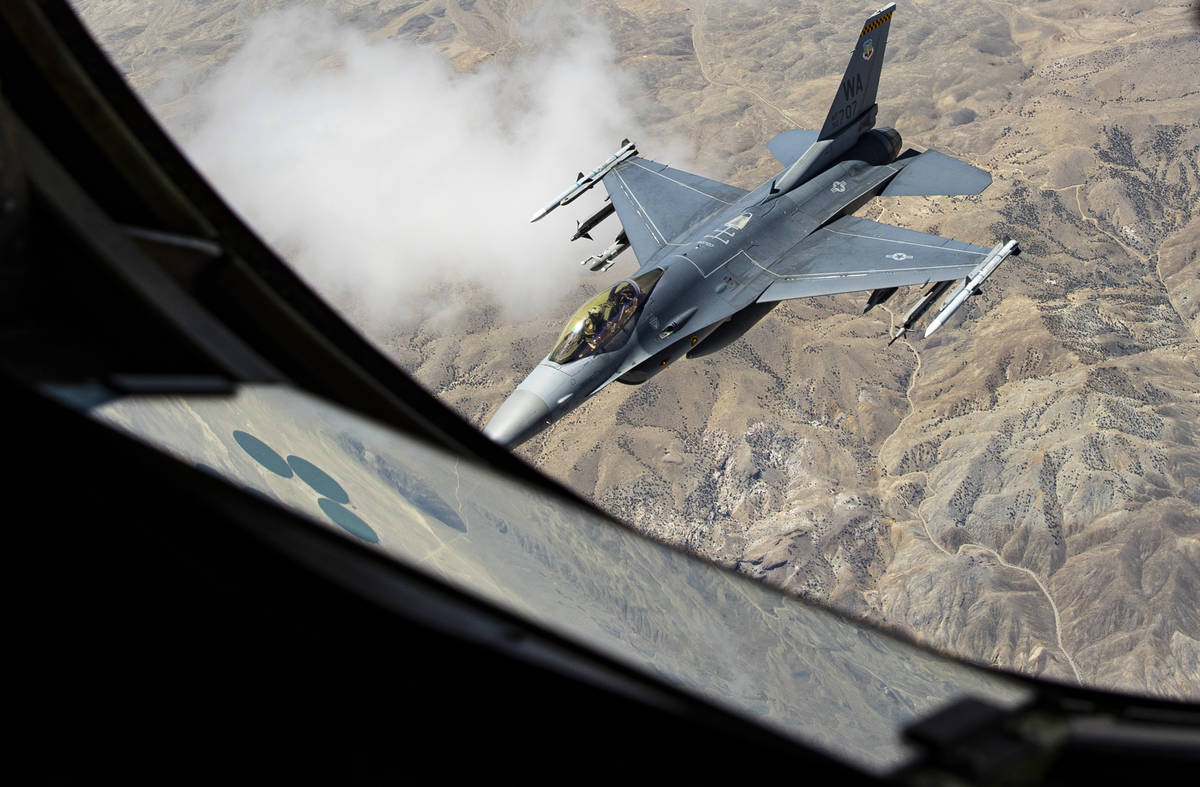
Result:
pixel 789 146
pixel 932 174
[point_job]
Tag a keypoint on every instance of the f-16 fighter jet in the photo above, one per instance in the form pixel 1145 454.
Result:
pixel 714 259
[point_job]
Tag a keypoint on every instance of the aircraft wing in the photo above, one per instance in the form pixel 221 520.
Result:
pixel 656 203
pixel 853 254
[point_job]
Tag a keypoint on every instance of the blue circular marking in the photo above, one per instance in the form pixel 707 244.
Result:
pixel 348 521
pixel 262 453
pixel 321 482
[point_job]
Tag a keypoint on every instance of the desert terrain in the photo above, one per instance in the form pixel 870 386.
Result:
pixel 1022 489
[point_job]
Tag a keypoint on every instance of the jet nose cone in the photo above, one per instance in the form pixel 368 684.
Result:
pixel 522 415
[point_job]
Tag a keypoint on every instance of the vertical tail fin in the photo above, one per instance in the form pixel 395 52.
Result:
pixel 856 94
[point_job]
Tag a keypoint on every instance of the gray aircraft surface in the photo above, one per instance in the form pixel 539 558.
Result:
pixel 714 259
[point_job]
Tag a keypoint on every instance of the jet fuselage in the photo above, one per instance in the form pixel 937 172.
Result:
pixel 715 259
pixel 715 270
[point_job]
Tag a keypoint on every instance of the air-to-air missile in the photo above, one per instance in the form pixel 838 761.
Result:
pixel 604 260
pixel 582 228
pixel 585 182
pixel 969 286
pixel 920 307
pixel 996 256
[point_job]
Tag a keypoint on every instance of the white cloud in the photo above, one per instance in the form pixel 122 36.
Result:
pixel 377 170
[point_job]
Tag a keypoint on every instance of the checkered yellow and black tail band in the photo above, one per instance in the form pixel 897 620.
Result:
pixel 873 25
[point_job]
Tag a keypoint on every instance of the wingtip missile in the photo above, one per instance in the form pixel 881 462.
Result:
pixel 584 182
pixel 999 253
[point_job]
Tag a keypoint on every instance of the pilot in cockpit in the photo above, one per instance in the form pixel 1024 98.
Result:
pixel 592 324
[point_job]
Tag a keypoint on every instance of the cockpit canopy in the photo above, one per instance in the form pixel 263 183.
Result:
pixel 606 321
